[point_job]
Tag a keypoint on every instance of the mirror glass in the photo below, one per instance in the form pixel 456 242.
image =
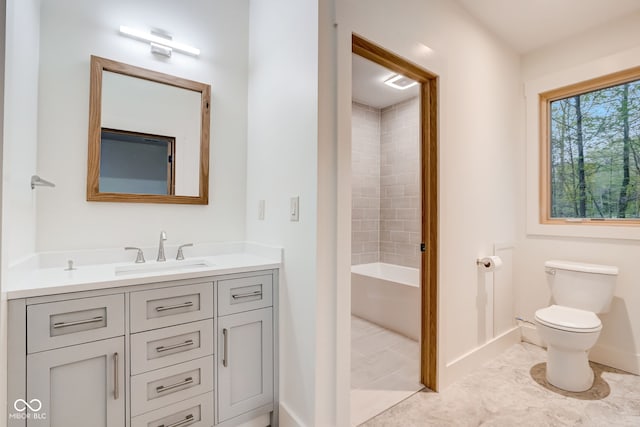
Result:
pixel 132 162
pixel 148 139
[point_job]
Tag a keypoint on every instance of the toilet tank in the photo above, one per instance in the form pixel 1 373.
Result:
pixel 580 285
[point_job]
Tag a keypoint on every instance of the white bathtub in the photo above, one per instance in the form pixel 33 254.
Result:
pixel 387 295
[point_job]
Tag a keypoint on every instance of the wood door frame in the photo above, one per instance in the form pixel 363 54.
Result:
pixel 429 189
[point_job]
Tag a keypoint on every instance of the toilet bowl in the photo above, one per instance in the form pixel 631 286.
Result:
pixel 569 334
pixel 570 327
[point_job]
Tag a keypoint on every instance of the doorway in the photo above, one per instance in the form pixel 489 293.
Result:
pixel 407 200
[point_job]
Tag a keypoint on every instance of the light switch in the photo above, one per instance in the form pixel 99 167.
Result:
pixel 294 209
pixel 261 210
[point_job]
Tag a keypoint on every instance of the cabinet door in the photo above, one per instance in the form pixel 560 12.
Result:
pixel 78 386
pixel 245 362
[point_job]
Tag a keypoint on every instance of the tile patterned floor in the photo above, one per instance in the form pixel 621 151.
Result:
pixel 384 369
pixel 511 391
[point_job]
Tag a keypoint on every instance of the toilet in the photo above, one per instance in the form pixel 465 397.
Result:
pixel 570 327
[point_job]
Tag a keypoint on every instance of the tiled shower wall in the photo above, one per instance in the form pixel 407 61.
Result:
pixel 365 215
pixel 386 186
pixel 400 184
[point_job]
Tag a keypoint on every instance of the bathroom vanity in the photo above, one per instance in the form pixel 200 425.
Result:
pixel 194 345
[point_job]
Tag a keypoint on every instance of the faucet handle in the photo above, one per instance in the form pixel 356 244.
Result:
pixel 139 257
pixel 180 255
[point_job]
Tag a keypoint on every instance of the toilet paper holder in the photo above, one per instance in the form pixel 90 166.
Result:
pixel 489 263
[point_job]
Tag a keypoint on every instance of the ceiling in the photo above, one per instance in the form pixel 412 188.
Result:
pixel 368 87
pixel 529 24
pixel 523 24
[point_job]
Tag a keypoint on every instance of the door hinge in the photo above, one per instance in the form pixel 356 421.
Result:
pixel 423 247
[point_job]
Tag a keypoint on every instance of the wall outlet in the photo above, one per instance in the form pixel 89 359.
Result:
pixel 294 209
pixel 261 210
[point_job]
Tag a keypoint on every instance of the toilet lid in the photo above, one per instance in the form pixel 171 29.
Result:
pixel 568 319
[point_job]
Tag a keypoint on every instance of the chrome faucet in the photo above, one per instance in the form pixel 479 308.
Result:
pixel 163 237
pixel 180 254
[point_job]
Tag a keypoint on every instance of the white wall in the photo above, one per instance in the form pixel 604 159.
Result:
pixel 20 130
pixel 282 158
pixel 71 31
pixel 20 47
pixel 480 110
pixel 3 303
pixel 599 51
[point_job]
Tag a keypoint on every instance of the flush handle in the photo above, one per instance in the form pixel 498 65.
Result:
pixel 550 271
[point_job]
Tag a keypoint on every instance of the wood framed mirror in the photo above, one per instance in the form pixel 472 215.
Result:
pixel 148 136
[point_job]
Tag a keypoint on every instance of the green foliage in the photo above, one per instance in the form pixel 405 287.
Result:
pixel 606 136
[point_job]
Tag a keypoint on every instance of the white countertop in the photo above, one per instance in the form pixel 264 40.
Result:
pixel 40 279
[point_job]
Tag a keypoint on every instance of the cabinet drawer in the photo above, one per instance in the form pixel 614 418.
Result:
pixel 196 412
pixel 247 293
pixel 64 323
pixel 158 308
pixel 157 389
pixel 168 346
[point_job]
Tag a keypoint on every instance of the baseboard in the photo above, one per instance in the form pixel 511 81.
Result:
pixel 627 361
pixel 470 361
pixel 288 418
pixel 530 334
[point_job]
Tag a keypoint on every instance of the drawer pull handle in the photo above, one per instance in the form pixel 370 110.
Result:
pixel 116 376
pixel 77 322
pixel 175 306
pixel 246 295
pixel 162 348
pixel 189 418
pixel 163 388
pixel 225 354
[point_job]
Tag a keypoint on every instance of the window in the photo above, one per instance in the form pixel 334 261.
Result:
pixel 590 158
pixel 136 163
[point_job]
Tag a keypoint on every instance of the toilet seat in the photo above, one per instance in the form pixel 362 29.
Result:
pixel 568 319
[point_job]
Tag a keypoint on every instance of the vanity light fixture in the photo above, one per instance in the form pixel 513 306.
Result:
pixel 400 82
pixel 160 43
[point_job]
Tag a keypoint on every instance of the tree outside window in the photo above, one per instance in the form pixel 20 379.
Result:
pixel 591 151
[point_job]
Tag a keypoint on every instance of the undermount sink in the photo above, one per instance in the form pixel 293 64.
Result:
pixel 160 267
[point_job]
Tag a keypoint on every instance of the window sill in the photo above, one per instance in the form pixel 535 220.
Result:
pixel 586 229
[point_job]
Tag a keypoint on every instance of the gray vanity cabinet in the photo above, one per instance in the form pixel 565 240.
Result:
pixel 75 372
pixel 245 362
pixel 196 352
pixel 78 386
pixel 245 345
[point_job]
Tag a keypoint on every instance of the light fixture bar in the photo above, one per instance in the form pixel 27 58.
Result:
pixel 143 35
pixel 391 81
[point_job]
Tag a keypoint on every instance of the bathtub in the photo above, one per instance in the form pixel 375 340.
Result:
pixel 387 295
